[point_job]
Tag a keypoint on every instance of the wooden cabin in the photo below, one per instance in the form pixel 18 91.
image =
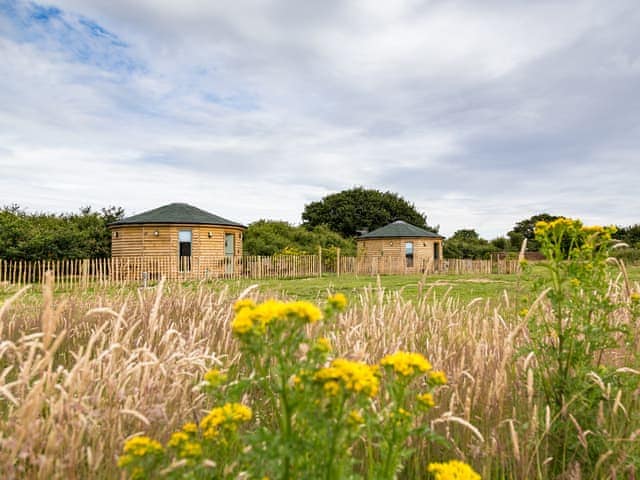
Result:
pixel 399 247
pixel 176 241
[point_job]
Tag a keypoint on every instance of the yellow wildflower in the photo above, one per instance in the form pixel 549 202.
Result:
pixel 593 229
pixel 332 388
pixel 541 227
pixel 355 417
pixel 575 282
pixel 437 377
pixel 177 438
pixel 190 427
pixel 242 323
pixel 323 344
pixel 259 317
pixel 337 301
pixel 305 311
pixel 227 417
pixel 138 447
pixel 452 470
pixel 406 364
pixel 215 377
pixel 243 303
pixel 427 400
pixel 356 377
pixel 635 297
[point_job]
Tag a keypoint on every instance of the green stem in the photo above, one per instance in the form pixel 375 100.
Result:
pixel 333 440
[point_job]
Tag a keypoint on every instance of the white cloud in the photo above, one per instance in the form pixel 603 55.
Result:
pixel 480 114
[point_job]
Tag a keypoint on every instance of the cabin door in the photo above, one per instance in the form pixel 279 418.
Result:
pixel 184 250
pixel 229 247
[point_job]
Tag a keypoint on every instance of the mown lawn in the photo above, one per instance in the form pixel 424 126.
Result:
pixel 463 287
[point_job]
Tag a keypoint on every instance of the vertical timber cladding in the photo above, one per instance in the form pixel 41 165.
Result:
pixel 423 248
pixel 400 245
pixel 159 244
pixel 155 236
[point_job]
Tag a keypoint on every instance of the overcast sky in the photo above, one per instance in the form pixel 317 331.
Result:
pixel 480 113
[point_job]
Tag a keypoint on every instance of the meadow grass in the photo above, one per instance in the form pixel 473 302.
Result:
pixel 82 371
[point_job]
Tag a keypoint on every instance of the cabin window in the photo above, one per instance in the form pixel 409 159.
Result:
pixel 184 250
pixel 408 253
pixel 436 251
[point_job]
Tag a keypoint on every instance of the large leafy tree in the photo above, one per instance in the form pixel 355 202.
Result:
pixel 525 229
pixel 357 209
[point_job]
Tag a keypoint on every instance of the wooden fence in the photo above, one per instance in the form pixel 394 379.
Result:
pixel 149 269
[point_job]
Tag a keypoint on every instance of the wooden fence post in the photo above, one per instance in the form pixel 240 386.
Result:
pixel 338 261
pixel 319 261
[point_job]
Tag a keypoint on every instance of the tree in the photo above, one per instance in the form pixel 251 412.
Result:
pixel 44 236
pixel 629 235
pixel 349 211
pixel 525 229
pixel 466 243
pixel 271 237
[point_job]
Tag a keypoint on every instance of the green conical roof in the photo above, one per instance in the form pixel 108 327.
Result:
pixel 177 213
pixel 400 229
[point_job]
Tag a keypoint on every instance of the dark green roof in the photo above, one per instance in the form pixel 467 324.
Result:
pixel 400 229
pixel 177 213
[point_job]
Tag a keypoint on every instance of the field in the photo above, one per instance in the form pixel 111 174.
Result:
pixel 83 370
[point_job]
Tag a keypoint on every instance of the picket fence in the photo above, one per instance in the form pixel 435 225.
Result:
pixel 81 272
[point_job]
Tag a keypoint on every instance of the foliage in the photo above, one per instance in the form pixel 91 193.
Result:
pixel 270 237
pixel 308 411
pixel 630 236
pixel 41 236
pixel 572 346
pixel 467 244
pixel 526 229
pixel 354 210
pixel 501 244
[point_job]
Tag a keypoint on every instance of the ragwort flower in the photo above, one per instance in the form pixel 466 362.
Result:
pixel 356 377
pixel 453 470
pixel 226 417
pixel 406 364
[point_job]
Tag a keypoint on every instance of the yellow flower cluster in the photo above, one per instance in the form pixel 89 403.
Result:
pixel 406 364
pixel 257 317
pixel 568 224
pixel 243 303
pixel 355 417
pixel 323 344
pixel 563 223
pixel 437 377
pixel 598 230
pixel 635 297
pixel 356 377
pixel 140 446
pixel 338 301
pixel 453 470
pixel 228 416
pixel 185 444
pixel 215 377
pixel 426 399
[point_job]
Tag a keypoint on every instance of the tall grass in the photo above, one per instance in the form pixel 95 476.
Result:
pixel 80 373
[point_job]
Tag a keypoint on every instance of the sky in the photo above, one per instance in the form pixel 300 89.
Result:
pixel 481 114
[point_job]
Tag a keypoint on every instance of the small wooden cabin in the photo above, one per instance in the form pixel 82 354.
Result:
pixel 177 239
pixel 400 247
